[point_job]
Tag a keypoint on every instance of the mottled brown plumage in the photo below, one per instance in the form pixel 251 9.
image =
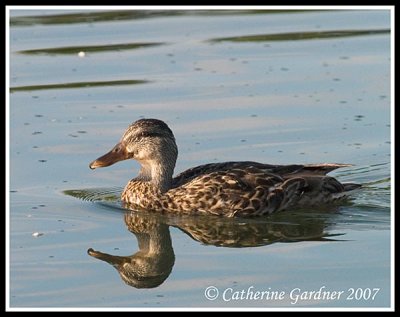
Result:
pixel 227 189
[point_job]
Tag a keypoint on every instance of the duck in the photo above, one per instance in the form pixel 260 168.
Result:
pixel 229 189
pixel 151 265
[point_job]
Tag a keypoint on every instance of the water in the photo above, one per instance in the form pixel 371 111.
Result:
pixel 275 87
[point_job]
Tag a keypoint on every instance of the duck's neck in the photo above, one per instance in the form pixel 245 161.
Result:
pixel 159 173
pixel 155 242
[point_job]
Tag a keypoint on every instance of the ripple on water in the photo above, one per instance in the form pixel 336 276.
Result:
pixel 112 194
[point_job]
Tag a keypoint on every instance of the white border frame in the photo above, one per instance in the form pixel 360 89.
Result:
pixel 164 7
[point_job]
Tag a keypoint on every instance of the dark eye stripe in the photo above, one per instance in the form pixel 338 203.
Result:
pixel 150 135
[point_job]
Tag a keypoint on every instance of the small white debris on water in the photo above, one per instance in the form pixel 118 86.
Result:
pixel 81 54
pixel 37 234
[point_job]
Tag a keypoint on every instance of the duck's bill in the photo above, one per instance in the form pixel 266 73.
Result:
pixel 118 153
pixel 112 259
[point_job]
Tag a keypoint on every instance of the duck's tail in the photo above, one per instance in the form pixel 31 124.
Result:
pixel 351 186
pixel 348 189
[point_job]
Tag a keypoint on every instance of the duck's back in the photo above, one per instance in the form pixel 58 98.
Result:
pixel 251 188
pixel 205 169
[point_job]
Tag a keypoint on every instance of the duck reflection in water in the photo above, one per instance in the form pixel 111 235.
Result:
pixel 152 264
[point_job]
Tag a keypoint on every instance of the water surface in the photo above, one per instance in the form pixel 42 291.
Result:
pixel 270 86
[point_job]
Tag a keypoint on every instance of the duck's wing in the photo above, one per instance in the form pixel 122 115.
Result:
pixel 205 169
pixel 317 181
pixel 322 169
pixel 308 169
pixel 285 171
pixel 246 192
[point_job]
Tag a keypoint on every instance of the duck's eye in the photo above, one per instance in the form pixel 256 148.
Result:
pixel 117 149
pixel 134 153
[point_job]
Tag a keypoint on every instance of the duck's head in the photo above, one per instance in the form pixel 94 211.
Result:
pixel 150 142
pixel 153 263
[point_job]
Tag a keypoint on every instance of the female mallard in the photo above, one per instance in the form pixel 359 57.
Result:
pixel 228 189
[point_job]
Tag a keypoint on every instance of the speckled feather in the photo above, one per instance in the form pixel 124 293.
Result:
pixel 240 189
pixel 227 189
